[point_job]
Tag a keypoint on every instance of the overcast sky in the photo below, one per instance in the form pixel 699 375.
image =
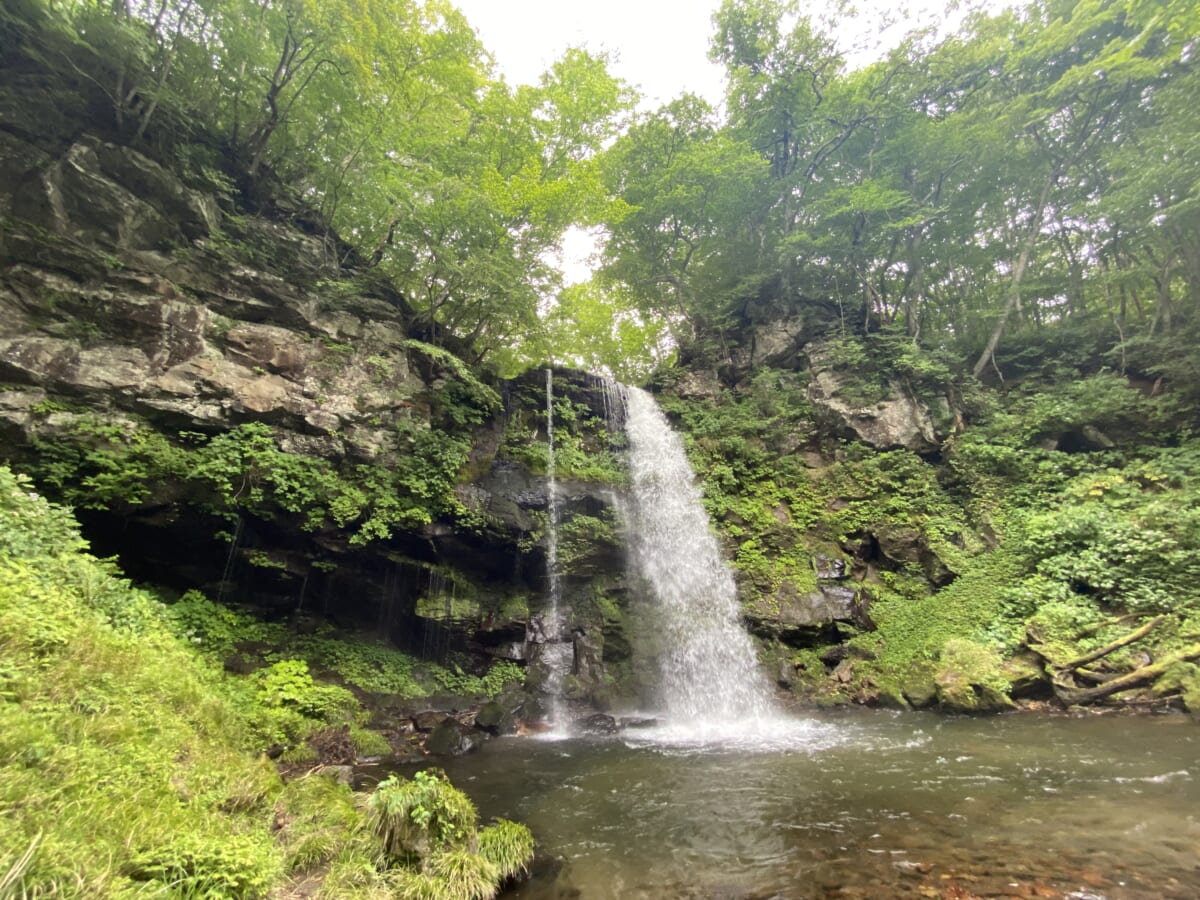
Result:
pixel 660 46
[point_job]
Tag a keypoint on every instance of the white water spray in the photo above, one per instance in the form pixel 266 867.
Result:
pixel 711 682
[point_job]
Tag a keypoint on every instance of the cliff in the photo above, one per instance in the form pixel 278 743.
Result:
pixel 234 403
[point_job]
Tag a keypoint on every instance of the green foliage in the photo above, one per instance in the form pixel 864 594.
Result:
pixel 482 398
pixel 914 625
pixel 464 874
pixel 1124 538
pixel 124 763
pixel 320 823
pixel 195 867
pixel 508 846
pixel 99 465
pixel 429 831
pixel 415 819
pixel 579 535
pixel 215 629
pixel 584 449
pixel 288 685
pixel 116 744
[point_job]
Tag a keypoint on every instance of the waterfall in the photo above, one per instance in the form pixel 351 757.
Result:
pixel 710 677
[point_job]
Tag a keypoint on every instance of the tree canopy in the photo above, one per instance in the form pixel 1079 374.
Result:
pixel 1035 169
pixel 1030 171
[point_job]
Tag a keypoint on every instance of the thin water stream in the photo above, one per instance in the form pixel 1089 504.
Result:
pixel 862 804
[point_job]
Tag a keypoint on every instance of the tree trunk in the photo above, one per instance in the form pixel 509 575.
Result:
pixel 1014 288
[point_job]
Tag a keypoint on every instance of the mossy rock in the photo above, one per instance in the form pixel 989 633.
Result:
pixel 970 679
pixel 891 698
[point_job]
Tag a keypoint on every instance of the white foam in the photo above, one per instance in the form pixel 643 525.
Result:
pixel 754 735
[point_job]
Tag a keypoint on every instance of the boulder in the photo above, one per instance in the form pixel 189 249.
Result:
pixel 807 618
pixel 428 720
pixel 452 738
pixel 495 719
pixel 829 568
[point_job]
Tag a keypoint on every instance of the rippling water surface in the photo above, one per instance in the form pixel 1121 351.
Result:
pixel 864 804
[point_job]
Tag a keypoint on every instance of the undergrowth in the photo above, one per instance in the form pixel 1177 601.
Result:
pixel 129 761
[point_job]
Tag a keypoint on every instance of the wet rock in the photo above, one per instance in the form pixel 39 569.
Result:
pixel 890 698
pixel 810 618
pixel 428 720
pixel 919 689
pixel 829 568
pixel 1027 676
pixel 589 667
pixel 636 722
pixel 452 738
pixel 495 719
pixel 957 691
pixel 600 723
pixel 829 603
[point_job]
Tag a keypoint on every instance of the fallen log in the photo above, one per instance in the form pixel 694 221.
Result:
pixel 1136 678
pixel 1136 635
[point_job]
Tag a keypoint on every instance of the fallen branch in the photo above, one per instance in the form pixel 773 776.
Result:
pixel 1133 679
pixel 1135 635
pixel 1107 623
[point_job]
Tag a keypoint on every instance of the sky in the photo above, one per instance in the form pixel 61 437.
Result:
pixel 658 46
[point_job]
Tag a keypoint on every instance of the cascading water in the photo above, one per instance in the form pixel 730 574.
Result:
pixel 710 679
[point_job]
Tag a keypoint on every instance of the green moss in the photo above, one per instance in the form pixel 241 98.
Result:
pixel 970 677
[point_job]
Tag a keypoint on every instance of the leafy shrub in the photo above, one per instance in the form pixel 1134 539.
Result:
pixel 217 629
pixel 416 818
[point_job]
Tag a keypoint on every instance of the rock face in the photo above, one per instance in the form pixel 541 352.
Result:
pixel 139 304
pixel 802 618
pixel 896 418
pixel 119 292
